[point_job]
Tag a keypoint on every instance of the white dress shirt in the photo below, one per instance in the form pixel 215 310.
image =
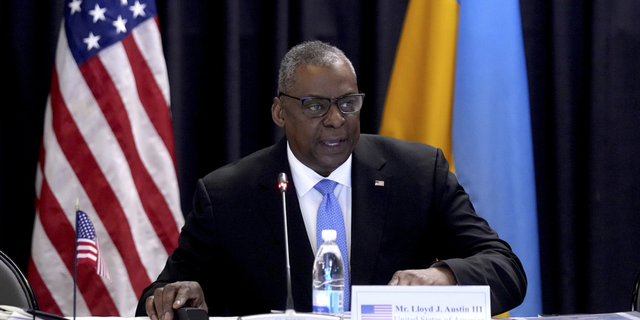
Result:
pixel 304 179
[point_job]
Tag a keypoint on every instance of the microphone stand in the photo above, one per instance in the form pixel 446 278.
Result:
pixel 289 313
pixel 282 184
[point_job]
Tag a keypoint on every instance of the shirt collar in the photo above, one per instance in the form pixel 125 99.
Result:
pixel 305 178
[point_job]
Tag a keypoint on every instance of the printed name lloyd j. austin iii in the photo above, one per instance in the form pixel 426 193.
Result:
pixel 432 309
pixel 443 317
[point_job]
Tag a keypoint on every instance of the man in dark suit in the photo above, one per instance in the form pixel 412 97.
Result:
pixel 407 220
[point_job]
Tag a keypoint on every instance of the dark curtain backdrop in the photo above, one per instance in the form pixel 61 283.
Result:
pixel 583 60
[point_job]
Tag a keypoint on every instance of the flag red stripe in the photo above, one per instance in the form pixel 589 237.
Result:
pixel 62 236
pixel 44 297
pixel 108 98
pixel 150 94
pixel 41 158
pixel 97 188
pixel 157 20
pixel 56 226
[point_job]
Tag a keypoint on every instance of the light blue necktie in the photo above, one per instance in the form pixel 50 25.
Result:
pixel 330 217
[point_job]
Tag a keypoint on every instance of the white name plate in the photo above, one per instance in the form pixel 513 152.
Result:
pixel 420 303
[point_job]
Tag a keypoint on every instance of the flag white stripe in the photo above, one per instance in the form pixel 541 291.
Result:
pixel 147 37
pixel 88 255
pixel 88 248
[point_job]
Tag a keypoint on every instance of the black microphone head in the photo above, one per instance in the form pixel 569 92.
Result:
pixel 282 181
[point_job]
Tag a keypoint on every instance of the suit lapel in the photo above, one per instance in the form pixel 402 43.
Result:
pixel 369 209
pixel 300 253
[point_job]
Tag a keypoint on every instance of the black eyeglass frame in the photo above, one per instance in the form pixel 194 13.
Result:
pixel 331 101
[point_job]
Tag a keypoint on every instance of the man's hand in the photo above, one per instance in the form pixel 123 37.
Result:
pixel 438 276
pixel 164 300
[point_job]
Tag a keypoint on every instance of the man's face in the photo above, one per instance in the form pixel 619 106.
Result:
pixel 323 143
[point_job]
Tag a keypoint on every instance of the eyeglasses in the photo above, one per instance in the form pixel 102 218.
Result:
pixel 318 107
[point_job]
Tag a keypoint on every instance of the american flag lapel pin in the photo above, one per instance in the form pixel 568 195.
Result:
pixel 379 183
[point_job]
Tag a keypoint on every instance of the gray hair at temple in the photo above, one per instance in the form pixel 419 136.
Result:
pixel 311 53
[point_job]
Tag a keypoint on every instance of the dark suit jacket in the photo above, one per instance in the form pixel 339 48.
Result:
pixel 233 241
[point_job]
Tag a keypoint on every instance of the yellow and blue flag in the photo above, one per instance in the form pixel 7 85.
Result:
pixel 459 83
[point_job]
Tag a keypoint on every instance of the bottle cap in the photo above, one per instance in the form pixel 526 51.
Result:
pixel 328 235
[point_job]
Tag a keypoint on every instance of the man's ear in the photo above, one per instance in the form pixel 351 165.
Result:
pixel 277 112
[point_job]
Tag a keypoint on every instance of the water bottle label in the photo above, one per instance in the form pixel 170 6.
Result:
pixel 328 301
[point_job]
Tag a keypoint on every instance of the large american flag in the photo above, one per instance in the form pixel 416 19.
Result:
pixel 108 141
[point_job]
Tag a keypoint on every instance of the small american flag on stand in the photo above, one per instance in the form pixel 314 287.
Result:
pixel 88 249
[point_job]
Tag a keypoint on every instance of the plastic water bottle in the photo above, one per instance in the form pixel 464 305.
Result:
pixel 328 276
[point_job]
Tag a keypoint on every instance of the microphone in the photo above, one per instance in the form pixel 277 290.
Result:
pixel 282 185
pixel 290 313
